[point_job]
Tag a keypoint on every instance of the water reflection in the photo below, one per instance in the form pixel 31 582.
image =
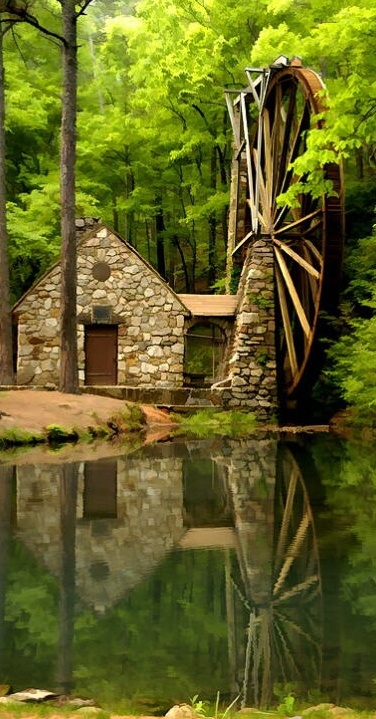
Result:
pixel 180 569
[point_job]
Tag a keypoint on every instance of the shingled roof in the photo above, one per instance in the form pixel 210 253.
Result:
pixel 210 305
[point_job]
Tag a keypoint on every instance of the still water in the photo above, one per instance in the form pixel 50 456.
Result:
pixel 245 567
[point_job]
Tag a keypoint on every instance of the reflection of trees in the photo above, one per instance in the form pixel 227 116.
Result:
pixel 68 479
pixel 6 493
pixel 348 531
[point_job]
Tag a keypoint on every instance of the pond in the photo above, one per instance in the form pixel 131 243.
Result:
pixel 240 566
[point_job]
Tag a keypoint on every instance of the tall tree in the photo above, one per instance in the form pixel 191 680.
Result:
pixel 70 12
pixel 68 306
pixel 68 312
pixel 6 347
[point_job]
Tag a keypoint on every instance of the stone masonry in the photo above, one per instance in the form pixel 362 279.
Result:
pixel 148 313
pixel 252 358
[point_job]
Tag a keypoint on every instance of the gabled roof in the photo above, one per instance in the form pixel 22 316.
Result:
pixel 210 305
pixel 83 236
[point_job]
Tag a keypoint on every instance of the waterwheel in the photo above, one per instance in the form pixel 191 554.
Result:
pixel 270 120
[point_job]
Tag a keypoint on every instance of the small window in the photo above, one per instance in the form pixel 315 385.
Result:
pixel 101 314
pixel 204 352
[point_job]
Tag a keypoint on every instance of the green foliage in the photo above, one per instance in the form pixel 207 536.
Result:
pixel 211 423
pixel 17 437
pixel 286 707
pixel 352 357
pixel 262 358
pixel 263 300
pixel 206 709
pixel 56 434
pixel 235 278
pixel 153 131
pixel 199 706
pixel 354 369
pixel 130 419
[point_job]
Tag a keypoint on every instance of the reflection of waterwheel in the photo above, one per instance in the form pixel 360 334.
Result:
pixel 270 120
pixel 284 635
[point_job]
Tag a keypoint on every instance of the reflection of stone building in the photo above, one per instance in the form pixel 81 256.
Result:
pixel 103 527
pixel 118 541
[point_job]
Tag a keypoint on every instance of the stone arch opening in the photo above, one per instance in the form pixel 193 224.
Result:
pixel 204 350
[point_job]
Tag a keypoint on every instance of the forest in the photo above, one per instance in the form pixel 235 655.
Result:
pixel 154 141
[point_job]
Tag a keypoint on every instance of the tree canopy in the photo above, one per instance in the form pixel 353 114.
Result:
pixel 154 141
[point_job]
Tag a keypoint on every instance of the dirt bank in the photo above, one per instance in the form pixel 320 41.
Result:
pixel 34 410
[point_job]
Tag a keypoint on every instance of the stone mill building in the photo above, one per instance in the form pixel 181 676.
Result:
pixel 140 339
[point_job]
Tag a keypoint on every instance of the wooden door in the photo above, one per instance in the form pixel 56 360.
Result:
pixel 101 354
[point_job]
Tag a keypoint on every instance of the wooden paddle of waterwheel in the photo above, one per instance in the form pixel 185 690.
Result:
pixel 270 120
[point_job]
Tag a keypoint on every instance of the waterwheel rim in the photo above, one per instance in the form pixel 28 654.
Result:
pixel 307 239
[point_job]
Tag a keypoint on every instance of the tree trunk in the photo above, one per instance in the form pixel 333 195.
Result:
pixel 6 345
pixel 212 222
pixel 160 228
pixel 68 312
pixel 175 243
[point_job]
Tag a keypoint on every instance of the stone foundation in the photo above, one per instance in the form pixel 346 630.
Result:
pixel 252 369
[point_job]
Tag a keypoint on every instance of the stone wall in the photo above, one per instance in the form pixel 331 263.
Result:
pixel 252 369
pixel 149 316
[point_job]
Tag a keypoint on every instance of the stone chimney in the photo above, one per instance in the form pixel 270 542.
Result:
pixel 85 223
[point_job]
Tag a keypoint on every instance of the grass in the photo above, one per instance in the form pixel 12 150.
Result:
pixel 17 437
pixel 207 423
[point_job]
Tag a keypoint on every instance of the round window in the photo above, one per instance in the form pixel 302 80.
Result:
pixel 101 271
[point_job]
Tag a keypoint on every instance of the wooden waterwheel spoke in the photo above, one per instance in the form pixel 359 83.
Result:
pixel 288 656
pixel 292 554
pixel 305 294
pixel 289 336
pixel 249 161
pixel 297 223
pixel 314 251
pixel 285 144
pixel 289 178
pixel 280 650
pixel 268 159
pixel 293 627
pixel 303 263
pixel 293 294
pixel 286 519
pixel 300 588
pixel 264 213
pixel 275 136
pixel 313 282
pixel 314 226
pixel 299 137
